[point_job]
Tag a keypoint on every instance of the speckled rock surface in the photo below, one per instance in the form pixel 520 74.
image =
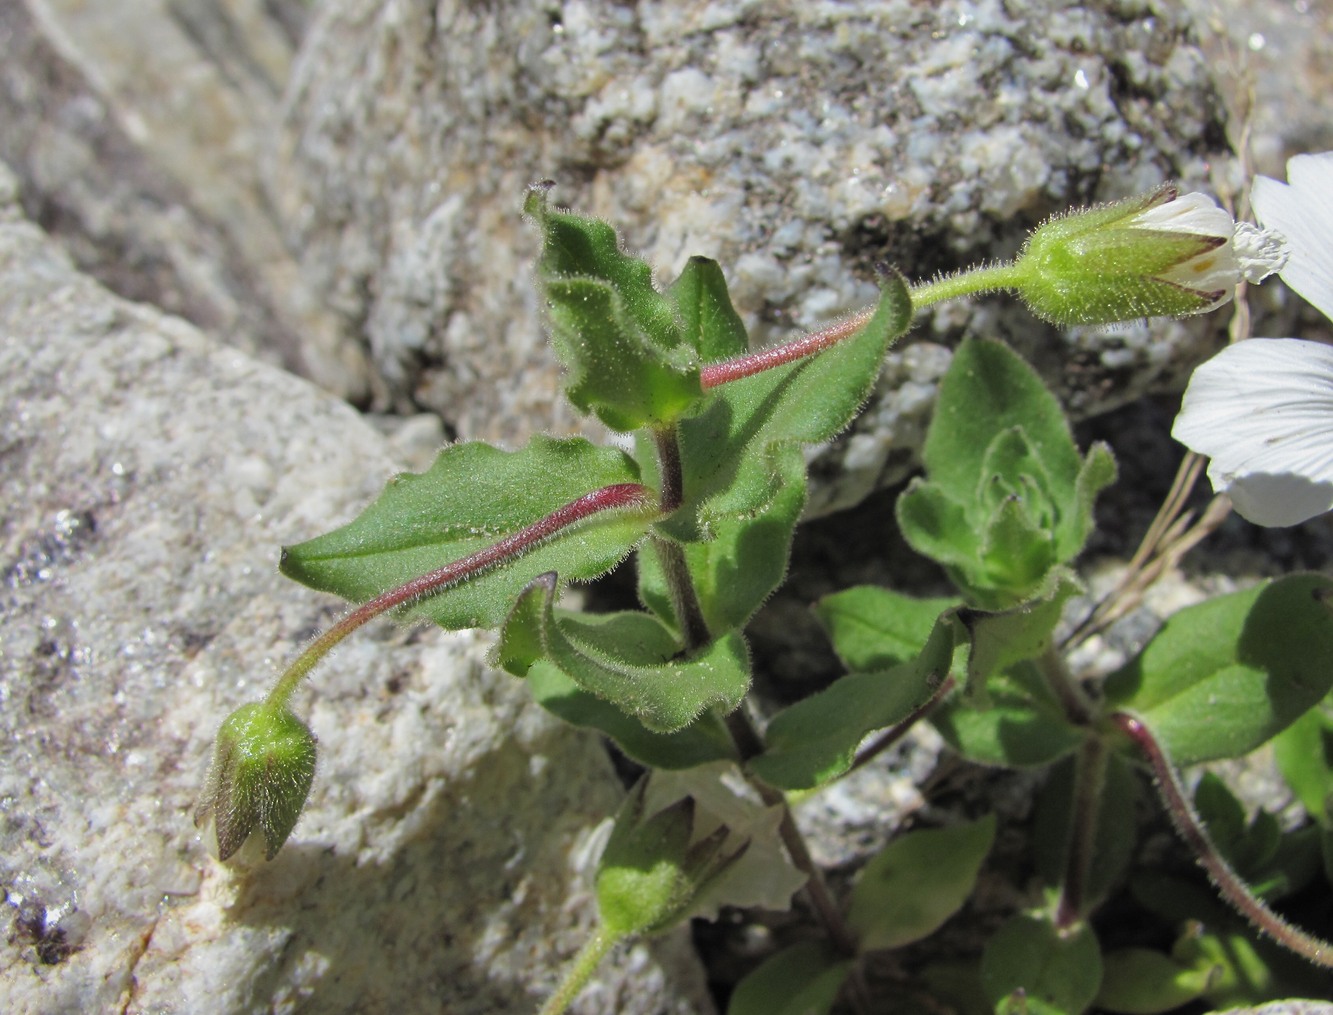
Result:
pixel 797 143
pixel 136 129
pixel 149 476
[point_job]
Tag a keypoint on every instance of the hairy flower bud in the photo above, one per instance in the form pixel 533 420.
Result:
pixel 1159 254
pixel 650 871
pixel 262 767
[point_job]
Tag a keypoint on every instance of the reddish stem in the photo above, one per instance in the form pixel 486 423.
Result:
pixel 807 345
pixel 608 498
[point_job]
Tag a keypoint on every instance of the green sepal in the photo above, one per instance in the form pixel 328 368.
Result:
pixel 727 451
pixel 1222 677
pixel 629 659
pixel 1029 962
pixel 803 979
pixel 628 361
pixel 700 742
pixel 815 740
pixel 916 882
pixel 471 497
pixel 1007 496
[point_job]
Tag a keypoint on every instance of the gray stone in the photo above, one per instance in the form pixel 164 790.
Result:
pixel 443 861
pixel 136 129
pixel 798 144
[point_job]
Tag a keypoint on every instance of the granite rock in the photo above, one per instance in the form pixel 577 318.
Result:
pixel 136 129
pixel 799 144
pixel 443 860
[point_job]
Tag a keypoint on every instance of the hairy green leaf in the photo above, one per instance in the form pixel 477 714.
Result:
pixel 629 363
pixel 472 497
pixel 1019 724
pixel 728 447
pixel 697 744
pixel 708 321
pixel 873 627
pixel 815 740
pixel 629 659
pixel 1222 677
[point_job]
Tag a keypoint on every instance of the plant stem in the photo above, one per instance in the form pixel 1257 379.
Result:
pixel 965 283
pixel 675 569
pixel 578 973
pixel 1187 822
pixel 1089 782
pixel 895 733
pixel 608 498
pixel 1074 701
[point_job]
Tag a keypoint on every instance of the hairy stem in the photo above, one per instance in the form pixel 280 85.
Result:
pixel 1187 822
pixel 1089 782
pixel 1074 701
pixel 895 733
pixel 579 972
pixel 608 498
pixel 684 598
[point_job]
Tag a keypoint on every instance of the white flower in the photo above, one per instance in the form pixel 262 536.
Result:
pixel 1262 409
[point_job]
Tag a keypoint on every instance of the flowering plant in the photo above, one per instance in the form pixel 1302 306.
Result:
pixel 707 502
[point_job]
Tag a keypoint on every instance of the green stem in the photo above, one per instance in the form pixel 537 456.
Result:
pixel 578 973
pixel 1089 782
pixel 966 283
pixel 608 498
pixel 1232 888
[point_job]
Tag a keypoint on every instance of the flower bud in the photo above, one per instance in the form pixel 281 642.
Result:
pixel 1159 254
pixel 650 872
pixel 262 767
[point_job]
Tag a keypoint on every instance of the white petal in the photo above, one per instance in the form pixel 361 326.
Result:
pixel 1194 213
pixel 1302 210
pixel 1262 410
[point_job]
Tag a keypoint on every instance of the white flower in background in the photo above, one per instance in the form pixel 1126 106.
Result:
pixel 1262 409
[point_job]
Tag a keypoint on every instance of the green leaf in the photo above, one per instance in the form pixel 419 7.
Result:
pixel 1061 970
pixel 916 882
pixel 1139 981
pixel 697 744
pixel 629 659
pixel 1304 755
pixel 708 321
pixel 1222 677
pixel 873 627
pixel 629 362
pixel 1001 639
pixel 1007 496
pixel 815 740
pixel 728 461
pixel 473 496
pixel 735 571
pixel 803 979
pixel 1020 724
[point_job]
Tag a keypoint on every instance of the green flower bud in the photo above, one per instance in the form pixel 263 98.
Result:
pixel 1159 254
pixel 262 767
pixel 650 871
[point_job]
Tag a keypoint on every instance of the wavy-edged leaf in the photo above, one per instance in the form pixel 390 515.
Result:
pixel 697 744
pixel 628 361
pixel 473 496
pixel 1222 677
pixel 629 659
